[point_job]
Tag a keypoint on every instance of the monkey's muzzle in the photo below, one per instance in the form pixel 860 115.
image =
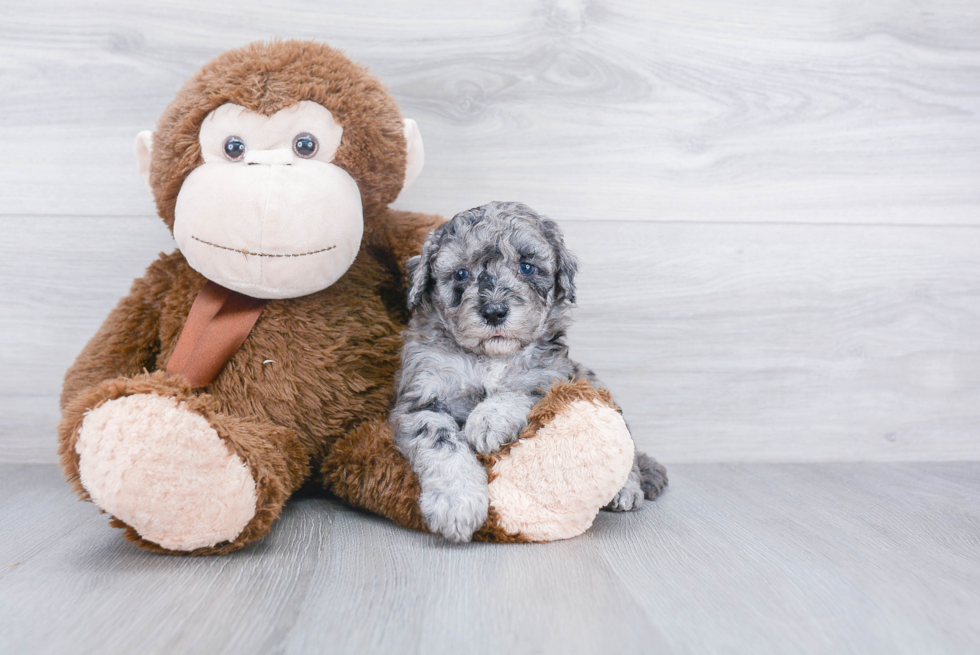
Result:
pixel 277 227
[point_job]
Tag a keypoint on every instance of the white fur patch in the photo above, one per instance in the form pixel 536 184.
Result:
pixel 553 485
pixel 163 470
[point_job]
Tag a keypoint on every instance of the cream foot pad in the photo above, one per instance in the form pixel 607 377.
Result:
pixel 164 471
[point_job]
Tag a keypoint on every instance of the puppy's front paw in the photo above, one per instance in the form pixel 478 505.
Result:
pixel 456 516
pixel 629 498
pixel 488 429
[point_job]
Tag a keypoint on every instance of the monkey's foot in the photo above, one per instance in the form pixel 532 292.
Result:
pixel 164 471
pixel 177 474
pixel 570 462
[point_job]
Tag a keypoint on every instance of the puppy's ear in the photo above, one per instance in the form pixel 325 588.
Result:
pixel 419 269
pixel 566 264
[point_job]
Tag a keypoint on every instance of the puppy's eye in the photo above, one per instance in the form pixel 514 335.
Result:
pixel 234 148
pixel 527 269
pixel 461 275
pixel 305 145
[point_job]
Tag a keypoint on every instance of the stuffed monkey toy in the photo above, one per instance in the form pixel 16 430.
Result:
pixel 261 354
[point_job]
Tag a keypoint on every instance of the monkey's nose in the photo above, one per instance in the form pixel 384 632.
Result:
pixel 495 314
pixel 277 156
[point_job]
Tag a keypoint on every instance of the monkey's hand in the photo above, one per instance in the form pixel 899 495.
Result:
pixel 497 421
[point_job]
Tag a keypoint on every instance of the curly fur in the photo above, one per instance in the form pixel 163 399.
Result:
pixel 491 294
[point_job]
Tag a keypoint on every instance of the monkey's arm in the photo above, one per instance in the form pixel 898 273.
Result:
pixel 127 342
pixel 647 478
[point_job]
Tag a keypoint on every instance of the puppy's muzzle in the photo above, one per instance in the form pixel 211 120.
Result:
pixel 494 313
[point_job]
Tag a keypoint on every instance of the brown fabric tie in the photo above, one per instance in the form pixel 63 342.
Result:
pixel 217 325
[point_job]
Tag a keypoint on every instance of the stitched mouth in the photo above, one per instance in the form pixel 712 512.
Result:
pixel 261 254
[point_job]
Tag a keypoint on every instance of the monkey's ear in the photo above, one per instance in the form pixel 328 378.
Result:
pixel 415 153
pixel 144 149
pixel 566 263
pixel 419 269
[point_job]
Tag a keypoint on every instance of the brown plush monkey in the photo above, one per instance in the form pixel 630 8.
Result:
pixel 261 354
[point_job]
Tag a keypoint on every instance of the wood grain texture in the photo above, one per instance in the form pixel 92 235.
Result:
pixel 691 110
pixel 785 343
pixel 776 205
pixel 819 558
pixel 721 342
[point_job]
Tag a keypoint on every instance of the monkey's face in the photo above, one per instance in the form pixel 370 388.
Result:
pixel 268 213
pixel 262 163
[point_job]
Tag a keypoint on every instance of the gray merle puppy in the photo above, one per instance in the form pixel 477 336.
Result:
pixel 490 294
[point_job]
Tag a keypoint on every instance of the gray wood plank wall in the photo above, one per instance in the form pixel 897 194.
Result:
pixel 777 204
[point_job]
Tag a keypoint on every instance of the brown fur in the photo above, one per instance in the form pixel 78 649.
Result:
pixel 333 372
pixel 267 77
pixel 334 352
pixel 365 469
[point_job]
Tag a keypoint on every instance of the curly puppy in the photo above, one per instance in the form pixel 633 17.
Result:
pixel 490 294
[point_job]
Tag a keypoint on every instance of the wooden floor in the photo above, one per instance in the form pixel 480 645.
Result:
pixel 734 558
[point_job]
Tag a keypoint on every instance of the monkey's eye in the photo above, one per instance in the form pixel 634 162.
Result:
pixel 305 145
pixel 234 148
pixel 461 275
pixel 526 269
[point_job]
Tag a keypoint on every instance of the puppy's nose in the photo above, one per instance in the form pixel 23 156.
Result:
pixel 495 314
